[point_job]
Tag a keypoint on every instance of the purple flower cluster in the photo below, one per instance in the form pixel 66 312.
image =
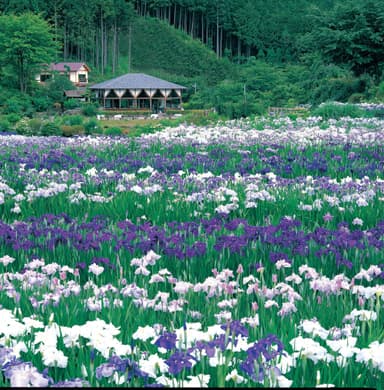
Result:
pixel 236 328
pixel 167 340
pixel 116 364
pixel 285 241
pixel 260 356
pixel 178 361
pixel 22 374
pixel 219 160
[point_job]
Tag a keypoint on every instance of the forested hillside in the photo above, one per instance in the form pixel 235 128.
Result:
pixel 237 55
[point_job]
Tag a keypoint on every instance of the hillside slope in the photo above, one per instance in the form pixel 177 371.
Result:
pixel 161 50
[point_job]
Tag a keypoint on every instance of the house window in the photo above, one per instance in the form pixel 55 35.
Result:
pixel 82 78
pixel 45 77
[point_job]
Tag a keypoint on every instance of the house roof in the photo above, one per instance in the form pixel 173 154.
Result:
pixel 75 93
pixel 63 66
pixel 136 81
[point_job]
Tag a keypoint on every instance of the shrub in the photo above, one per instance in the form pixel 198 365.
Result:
pixel 113 131
pixel 89 109
pixel 71 104
pixel 69 131
pixel 5 125
pixel 22 127
pixel 13 118
pixel 337 110
pixel 380 91
pixel 35 126
pixel 137 130
pixel 356 98
pixel 50 128
pixel 41 103
pixel 92 127
pixel 18 104
pixel 72 120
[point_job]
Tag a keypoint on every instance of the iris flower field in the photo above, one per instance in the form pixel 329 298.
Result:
pixel 248 253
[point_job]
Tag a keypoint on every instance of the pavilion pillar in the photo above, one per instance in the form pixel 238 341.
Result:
pixel 135 93
pixel 165 93
pixel 150 93
pixel 106 93
pixel 120 93
pixel 178 92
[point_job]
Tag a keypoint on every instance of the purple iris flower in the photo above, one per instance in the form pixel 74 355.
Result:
pixel 105 370
pixel 236 328
pixel 167 340
pixel 178 361
pixel 209 347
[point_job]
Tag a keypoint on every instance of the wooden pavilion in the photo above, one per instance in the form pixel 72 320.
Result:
pixel 138 91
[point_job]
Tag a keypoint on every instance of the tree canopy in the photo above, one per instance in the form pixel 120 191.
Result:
pixel 230 53
pixel 26 42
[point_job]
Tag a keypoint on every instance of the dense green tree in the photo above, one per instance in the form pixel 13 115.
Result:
pixel 351 33
pixel 26 41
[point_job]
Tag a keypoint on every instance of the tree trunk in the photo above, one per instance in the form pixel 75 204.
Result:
pixel 191 32
pixel 65 41
pixel 202 27
pixel 238 50
pixel 114 52
pixel 129 46
pixel 21 73
pixel 221 43
pixel 217 35
pixel 105 46
pixel 180 18
pixel 186 20
pixel 102 43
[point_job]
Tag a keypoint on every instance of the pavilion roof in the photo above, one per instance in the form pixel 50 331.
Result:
pixel 136 81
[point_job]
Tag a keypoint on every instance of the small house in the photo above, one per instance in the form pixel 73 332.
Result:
pixel 77 72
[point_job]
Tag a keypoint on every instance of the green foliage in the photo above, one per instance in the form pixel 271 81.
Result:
pixel 256 86
pixel 12 118
pixel 72 120
pixel 337 111
pixel 89 109
pixel 18 104
pixel 71 130
pixel 56 86
pixel 351 33
pixel 239 57
pixel 35 125
pixel 172 51
pixel 41 103
pixel 380 91
pixel 92 127
pixel 23 127
pixel 203 120
pixel 70 104
pixel 50 128
pixel 113 131
pixel 25 43
pixel 5 125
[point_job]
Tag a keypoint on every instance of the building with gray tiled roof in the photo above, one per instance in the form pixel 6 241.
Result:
pixel 138 91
